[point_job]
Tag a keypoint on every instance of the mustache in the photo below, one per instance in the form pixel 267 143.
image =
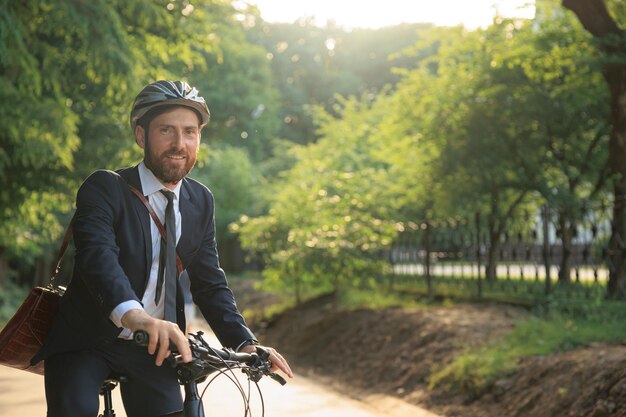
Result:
pixel 174 153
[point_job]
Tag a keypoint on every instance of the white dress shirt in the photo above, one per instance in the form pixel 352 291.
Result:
pixel 151 187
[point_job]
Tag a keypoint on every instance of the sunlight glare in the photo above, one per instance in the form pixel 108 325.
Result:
pixel 359 14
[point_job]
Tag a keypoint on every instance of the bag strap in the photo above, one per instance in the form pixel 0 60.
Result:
pixel 62 249
pixel 69 231
pixel 155 218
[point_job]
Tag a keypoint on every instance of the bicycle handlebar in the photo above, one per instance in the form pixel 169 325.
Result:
pixel 141 338
pixel 206 359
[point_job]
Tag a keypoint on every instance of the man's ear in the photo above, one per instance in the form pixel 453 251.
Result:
pixel 140 136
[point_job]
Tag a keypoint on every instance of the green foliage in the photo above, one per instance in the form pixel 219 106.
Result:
pixel 325 224
pixel 496 121
pixel 11 297
pixel 230 175
pixel 500 121
pixel 42 43
pixel 617 10
pixel 590 310
pixel 237 84
pixel 69 72
pixel 511 109
pixel 310 65
pixel 451 121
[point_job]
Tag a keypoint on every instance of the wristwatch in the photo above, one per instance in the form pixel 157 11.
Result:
pixel 245 343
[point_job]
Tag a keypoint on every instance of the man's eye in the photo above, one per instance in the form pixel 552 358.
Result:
pixel 165 130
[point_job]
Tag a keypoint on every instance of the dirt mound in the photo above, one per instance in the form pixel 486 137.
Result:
pixel 586 382
pixel 392 351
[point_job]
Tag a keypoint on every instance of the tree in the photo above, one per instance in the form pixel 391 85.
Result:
pixel 40 44
pixel 68 73
pixel 611 40
pixel 310 65
pixel 471 129
pixel 326 224
pixel 565 102
pixel 237 82
pixel 234 180
pixel 509 112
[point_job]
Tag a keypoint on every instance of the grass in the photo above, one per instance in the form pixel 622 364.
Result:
pixel 562 321
pixel 256 315
pixel 559 323
pixel 561 330
pixel 511 291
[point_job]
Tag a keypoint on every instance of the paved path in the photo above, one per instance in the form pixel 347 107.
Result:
pixel 22 395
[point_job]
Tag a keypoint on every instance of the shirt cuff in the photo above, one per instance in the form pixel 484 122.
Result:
pixel 121 309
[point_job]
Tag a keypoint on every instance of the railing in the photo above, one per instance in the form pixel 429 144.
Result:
pixel 538 255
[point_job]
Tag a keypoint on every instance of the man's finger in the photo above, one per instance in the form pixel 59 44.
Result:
pixel 183 348
pixel 279 362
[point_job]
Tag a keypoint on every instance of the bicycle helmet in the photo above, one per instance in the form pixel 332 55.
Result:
pixel 167 93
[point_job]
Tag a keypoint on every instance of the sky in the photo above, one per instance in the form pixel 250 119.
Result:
pixel 351 14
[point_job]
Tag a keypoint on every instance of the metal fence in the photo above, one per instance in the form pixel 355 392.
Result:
pixel 537 254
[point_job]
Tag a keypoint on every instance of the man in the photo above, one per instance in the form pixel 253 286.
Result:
pixel 122 265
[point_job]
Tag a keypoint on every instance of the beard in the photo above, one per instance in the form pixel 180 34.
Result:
pixel 165 169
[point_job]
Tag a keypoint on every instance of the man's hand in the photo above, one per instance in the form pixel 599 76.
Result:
pixel 160 332
pixel 277 360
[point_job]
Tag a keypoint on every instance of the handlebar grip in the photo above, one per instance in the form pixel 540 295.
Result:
pixel 141 338
pixel 278 378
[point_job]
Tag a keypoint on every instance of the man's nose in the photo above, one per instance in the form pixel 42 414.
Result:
pixel 178 138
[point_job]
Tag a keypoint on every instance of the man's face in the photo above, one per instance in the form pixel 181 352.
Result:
pixel 171 145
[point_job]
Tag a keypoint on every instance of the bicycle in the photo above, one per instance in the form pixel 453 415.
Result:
pixel 205 361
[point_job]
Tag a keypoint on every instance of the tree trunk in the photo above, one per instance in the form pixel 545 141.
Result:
pixel 595 17
pixel 616 77
pixel 566 226
pixel 4 267
pixel 545 252
pixel 427 249
pixel 297 281
pixel 492 257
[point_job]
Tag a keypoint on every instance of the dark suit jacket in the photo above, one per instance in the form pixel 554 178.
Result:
pixel 113 258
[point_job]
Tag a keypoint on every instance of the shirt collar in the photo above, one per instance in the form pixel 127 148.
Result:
pixel 151 184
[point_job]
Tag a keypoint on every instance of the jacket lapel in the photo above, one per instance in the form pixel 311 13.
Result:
pixel 131 175
pixel 189 213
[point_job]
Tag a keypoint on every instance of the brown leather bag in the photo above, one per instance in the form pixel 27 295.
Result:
pixel 24 334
